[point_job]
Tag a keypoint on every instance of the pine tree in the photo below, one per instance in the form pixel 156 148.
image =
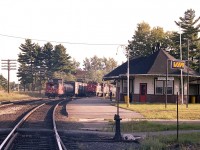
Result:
pixel 190 28
pixel 48 59
pixel 61 61
pixel 26 60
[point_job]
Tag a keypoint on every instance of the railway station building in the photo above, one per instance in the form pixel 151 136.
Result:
pixel 147 80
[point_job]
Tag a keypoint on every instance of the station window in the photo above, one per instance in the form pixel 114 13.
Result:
pixel 124 86
pixel 169 87
pixel 160 87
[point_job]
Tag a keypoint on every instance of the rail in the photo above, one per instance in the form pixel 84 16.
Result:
pixel 60 144
pixel 11 134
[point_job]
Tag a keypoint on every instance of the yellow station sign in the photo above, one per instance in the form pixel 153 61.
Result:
pixel 177 64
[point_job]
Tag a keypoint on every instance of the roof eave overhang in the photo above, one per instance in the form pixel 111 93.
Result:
pixel 175 75
pixel 111 78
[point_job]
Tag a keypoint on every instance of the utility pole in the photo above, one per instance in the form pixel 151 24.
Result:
pixel 8 64
pixel 181 57
pixel 188 78
pixel 128 76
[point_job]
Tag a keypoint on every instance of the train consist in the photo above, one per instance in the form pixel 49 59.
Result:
pixel 60 88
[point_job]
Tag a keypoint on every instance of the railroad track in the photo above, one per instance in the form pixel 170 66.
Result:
pixel 11 113
pixel 36 130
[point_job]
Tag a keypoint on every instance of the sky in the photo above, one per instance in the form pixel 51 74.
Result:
pixel 85 27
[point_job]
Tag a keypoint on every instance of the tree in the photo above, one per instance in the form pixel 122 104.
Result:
pixel 23 73
pixel 87 64
pixel 158 36
pixel 92 66
pixel 139 46
pixel 64 76
pixel 147 40
pixel 26 60
pixel 38 64
pixel 108 64
pixel 39 67
pixel 97 67
pixel 3 83
pixel 190 28
pixel 76 64
pixel 61 60
pixel 48 59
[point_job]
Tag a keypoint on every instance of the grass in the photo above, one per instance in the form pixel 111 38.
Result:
pixel 186 141
pixel 18 95
pixel 146 126
pixel 158 111
pixel 33 94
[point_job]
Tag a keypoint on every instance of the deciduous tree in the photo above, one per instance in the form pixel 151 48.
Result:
pixel 146 40
pixel 97 67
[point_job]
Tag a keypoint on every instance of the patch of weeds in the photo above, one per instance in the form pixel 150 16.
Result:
pixel 152 144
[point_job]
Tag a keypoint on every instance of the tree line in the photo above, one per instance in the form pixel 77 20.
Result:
pixel 41 63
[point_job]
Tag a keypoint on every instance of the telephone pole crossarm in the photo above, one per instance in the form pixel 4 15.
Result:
pixel 8 64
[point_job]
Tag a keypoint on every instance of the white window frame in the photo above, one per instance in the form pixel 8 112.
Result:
pixel 156 93
pixel 124 86
pixel 163 87
pixel 169 86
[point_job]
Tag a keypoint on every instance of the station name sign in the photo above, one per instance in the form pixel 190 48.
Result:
pixel 164 78
pixel 178 64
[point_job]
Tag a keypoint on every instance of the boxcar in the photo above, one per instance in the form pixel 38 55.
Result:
pixel 91 89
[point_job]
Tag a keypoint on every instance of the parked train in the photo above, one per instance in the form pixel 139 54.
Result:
pixel 60 88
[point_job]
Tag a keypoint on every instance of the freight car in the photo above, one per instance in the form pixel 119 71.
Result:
pixel 72 88
pixel 69 89
pixel 91 89
pixel 79 89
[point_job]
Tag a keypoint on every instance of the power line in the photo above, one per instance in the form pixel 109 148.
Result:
pixel 72 43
